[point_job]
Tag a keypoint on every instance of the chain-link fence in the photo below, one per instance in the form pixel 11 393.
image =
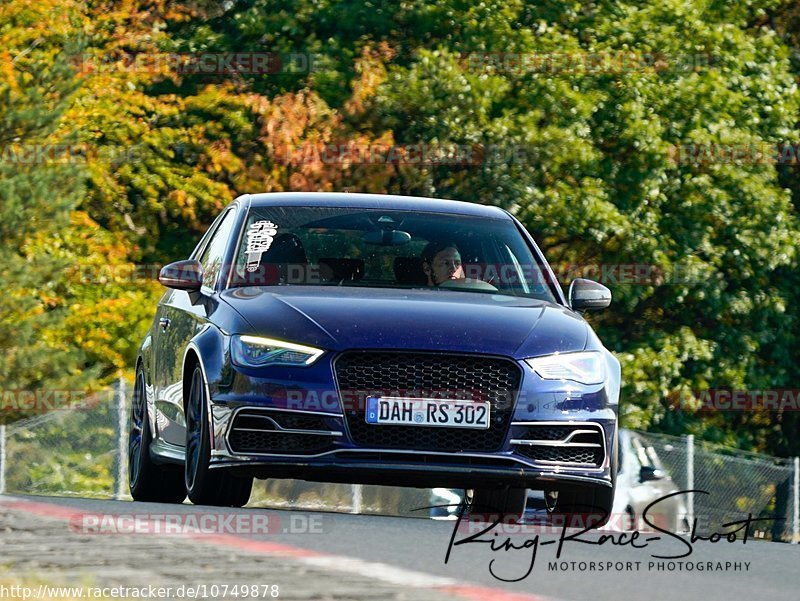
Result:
pixel 81 450
pixel 738 484
pixel 73 450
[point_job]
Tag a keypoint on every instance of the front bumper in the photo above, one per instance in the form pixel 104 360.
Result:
pixel 375 467
pixel 338 459
pixel 274 427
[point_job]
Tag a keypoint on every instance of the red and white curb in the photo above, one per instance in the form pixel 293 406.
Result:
pixel 333 563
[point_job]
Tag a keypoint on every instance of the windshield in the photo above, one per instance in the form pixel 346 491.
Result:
pixel 324 246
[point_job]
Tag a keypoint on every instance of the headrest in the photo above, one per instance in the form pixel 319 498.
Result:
pixel 286 248
pixel 336 270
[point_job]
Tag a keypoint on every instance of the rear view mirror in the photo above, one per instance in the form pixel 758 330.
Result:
pixel 387 237
pixel 587 295
pixel 182 275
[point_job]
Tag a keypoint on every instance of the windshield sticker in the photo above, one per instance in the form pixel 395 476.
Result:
pixel 259 239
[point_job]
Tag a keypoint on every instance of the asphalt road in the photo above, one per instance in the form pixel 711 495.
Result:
pixel 400 558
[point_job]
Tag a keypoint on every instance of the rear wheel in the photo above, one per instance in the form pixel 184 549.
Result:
pixel 204 485
pixel 505 504
pixel 148 481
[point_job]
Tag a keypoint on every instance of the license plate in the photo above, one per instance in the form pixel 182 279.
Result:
pixel 427 412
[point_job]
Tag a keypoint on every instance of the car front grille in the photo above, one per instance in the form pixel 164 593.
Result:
pixel 428 375
pixel 283 432
pixel 567 444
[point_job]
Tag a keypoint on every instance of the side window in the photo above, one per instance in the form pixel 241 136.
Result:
pixel 214 253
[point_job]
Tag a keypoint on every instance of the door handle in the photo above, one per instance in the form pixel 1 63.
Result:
pixel 164 323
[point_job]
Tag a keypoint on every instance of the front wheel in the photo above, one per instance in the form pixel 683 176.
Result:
pixel 204 485
pixel 148 481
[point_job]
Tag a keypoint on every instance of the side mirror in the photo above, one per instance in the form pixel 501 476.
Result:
pixel 182 275
pixel 648 473
pixel 586 295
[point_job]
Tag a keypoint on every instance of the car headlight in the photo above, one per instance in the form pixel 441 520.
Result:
pixel 256 351
pixel 586 367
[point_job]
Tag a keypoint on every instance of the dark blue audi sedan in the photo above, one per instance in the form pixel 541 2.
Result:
pixel 373 339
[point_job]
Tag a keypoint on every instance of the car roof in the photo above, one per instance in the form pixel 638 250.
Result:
pixel 374 201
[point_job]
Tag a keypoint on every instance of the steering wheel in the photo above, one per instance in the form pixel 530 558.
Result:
pixel 468 284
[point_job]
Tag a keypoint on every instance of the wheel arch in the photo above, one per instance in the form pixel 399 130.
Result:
pixel 206 350
pixel 190 361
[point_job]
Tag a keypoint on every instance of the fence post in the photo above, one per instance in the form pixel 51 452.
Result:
pixel 690 478
pixel 2 459
pixel 357 498
pixel 122 440
pixel 796 503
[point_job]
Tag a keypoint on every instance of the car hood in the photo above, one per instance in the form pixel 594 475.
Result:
pixel 340 318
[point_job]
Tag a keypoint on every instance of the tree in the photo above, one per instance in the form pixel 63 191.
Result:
pixel 39 186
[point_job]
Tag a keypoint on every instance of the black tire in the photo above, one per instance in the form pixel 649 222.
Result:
pixel 204 485
pixel 148 481
pixel 504 504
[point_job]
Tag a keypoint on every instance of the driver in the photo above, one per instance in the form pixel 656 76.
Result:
pixel 441 261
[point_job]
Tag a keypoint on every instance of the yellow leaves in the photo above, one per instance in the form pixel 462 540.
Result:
pixel 97 244
pixel 26 26
pixel 7 71
pixel 372 69
pixel 299 182
pixel 292 117
pixel 311 146
pixel 221 159
pixel 107 298
pixel 186 204
pixel 32 36
pixel 179 197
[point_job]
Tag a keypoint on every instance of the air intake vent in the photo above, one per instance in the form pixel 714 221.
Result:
pixel 279 432
pixel 567 444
